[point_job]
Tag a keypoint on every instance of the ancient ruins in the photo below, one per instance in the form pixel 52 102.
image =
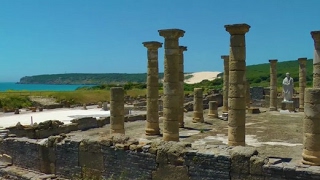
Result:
pixel 204 135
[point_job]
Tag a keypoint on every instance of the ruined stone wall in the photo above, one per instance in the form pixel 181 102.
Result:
pixel 121 157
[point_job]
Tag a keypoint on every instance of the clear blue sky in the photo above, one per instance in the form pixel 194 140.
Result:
pixel 105 36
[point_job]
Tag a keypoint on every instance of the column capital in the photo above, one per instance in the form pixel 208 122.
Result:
pixel 315 35
pixel 273 61
pixel 237 29
pixel 152 44
pixel 171 33
pixel 302 60
pixel 183 48
pixel 225 57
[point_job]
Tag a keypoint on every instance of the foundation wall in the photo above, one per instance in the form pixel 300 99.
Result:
pixel 120 157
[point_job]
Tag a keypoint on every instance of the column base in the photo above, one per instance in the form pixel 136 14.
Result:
pixel 272 109
pixel 115 131
pixel 198 120
pixel 170 137
pixel 233 143
pixel 301 109
pixel 152 129
pixel 310 158
pixel 213 115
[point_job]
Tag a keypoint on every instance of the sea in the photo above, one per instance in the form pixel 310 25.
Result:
pixel 12 86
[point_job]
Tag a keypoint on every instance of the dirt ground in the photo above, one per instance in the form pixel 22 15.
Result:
pixel 274 134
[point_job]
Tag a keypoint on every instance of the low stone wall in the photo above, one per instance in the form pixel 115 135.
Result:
pixel 54 127
pixel 119 157
pixel 266 102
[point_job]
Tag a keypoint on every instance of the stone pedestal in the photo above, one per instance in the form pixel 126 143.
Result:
pixel 84 107
pixel 288 105
pixel 181 81
pixel 302 81
pixel 237 78
pixel 311 130
pixel 225 83
pixel 99 105
pixel 16 111
pixel 198 105
pixel 117 110
pixel 273 85
pixel 171 85
pixel 213 109
pixel 105 106
pixel 152 122
pixel 316 59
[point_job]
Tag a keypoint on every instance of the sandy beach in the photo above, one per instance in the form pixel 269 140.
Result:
pixel 200 76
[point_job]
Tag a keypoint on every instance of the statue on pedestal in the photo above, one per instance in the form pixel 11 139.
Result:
pixel 287 88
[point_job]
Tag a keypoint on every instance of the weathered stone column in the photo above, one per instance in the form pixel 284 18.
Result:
pixel 311 130
pixel 273 85
pixel 237 87
pixel 225 83
pixel 152 122
pixel 316 59
pixel 213 109
pixel 117 110
pixel 198 105
pixel 171 85
pixel 302 81
pixel 248 96
pixel 181 81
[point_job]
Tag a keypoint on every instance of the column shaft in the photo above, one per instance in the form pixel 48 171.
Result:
pixel 198 105
pixel 213 109
pixel 273 85
pixel 181 81
pixel 171 85
pixel 302 81
pixel 311 130
pixel 152 122
pixel 248 96
pixel 237 86
pixel 225 83
pixel 116 110
pixel 316 59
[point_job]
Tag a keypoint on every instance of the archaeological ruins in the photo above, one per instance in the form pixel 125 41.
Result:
pixel 242 132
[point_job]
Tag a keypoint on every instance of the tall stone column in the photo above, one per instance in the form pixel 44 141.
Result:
pixel 302 81
pixel 198 105
pixel 237 86
pixel 248 96
pixel 152 122
pixel 171 85
pixel 116 110
pixel 225 83
pixel 311 130
pixel 316 59
pixel 181 81
pixel 273 85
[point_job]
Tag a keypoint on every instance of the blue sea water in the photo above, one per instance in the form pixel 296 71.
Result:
pixel 7 86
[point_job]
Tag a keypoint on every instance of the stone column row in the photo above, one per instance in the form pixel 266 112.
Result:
pixel 152 122
pixel 237 87
pixel 273 85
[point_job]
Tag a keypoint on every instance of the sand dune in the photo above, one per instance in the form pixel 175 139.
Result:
pixel 200 76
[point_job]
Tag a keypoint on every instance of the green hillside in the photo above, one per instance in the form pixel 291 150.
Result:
pixel 258 75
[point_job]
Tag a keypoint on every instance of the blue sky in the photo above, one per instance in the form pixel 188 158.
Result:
pixel 105 36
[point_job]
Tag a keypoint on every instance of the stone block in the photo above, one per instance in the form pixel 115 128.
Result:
pixel 253 110
pixel 240 159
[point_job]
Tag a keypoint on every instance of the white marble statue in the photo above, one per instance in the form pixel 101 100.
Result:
pixel 287 87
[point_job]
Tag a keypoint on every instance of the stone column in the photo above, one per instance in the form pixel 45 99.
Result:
pixel 248 96
pixel 302 81
pixel 198 105
pixel 181 81
pixel 152 122
pixel 116 110
pixel 316 60
pixel 213 109
pixel 273 85
pixel 311 130
pixel 171 85
pixel 237 78
pixel 225 83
